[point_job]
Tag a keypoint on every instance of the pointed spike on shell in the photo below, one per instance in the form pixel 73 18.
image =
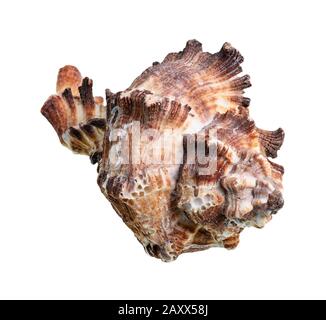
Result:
pixel 55 112
pixel 238 84
pixel 271 141
pixel 86 95
pixel 192 48
pixel 69 77
pixel 228 50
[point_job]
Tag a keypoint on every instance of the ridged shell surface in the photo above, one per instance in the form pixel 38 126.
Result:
pixel 178 155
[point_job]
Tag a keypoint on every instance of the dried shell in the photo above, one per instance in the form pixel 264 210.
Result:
pixel 77 117
pixel 215 181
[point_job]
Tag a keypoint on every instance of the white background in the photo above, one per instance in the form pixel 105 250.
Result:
pixel 60 238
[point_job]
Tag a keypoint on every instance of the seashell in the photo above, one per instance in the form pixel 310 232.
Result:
pixel 178 156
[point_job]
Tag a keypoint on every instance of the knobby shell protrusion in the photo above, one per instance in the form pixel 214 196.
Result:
pixel 178 156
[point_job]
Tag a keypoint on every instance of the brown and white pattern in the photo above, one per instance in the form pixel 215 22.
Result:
pixel 78 118
pixel 212 177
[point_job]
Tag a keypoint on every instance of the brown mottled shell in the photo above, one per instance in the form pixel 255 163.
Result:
pixel 171 207
pixel 77 117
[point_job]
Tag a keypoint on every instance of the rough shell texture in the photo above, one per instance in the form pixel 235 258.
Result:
pixel 176 206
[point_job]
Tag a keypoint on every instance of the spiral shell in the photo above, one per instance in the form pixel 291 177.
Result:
pixel 178 156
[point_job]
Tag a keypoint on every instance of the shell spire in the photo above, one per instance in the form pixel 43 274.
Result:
pixel 180 160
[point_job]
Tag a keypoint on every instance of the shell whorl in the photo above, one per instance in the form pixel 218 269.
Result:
pixel 206 82
pixel 218 178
